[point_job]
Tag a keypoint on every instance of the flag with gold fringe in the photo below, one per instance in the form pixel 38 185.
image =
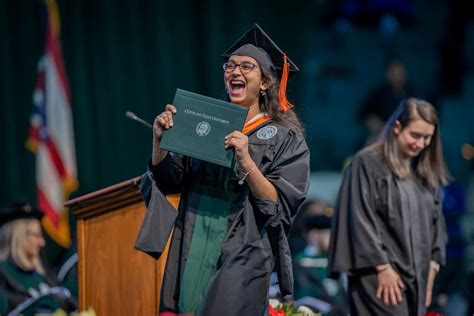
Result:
pixel 51 135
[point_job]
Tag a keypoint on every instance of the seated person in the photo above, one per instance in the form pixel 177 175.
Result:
pixel 297 239
pixel 28 288
pixel 313 287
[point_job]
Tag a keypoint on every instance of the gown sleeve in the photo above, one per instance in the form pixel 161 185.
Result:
pixel 289 173
pixel 160 217
pixel 438 251
pixel 168 174
pixel 356 241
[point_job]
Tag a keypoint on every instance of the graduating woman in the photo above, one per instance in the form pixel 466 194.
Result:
pixel 388 233
pixel 230 231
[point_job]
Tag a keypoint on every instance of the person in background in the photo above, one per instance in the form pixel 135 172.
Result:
pixel 388 232
pixel 313 288
pixel 380 102
pixel 23 278
pixel 297 239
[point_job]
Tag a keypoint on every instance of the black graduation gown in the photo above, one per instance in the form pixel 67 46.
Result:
pixel 15 283
pixel 381 219
pixel 256 240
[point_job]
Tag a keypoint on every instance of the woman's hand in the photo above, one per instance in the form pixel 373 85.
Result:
pixel 390 285
pixel 259 185
pixel 429 286
pixel 162 122
pixel 240 143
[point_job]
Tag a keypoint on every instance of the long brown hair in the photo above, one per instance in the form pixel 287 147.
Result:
pixel 429 165
pixel 270 103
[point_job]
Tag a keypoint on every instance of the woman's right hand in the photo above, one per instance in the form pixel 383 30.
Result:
pixel 163 121
pixel 390 286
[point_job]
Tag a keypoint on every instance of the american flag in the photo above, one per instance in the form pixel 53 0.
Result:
pixel 52 134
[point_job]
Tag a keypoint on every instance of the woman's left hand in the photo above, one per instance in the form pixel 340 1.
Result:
pixel 240 143
pixel 429 286
pixel 259 185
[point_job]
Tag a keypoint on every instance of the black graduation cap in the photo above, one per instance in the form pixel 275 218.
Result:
pixel 257 44
pixel 318 222
pixel 19 210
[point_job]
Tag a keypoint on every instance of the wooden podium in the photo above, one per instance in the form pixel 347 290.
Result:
pixel 114 278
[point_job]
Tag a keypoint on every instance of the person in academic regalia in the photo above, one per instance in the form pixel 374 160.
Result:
pixel 313 287
pixel 230 231
pixel 388 232
pixel 28 288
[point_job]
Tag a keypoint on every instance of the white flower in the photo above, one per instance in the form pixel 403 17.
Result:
pixel 274 302
pixel 305 310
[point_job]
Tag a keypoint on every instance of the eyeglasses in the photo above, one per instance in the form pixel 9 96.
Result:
pixel 245 66
pixel 36 235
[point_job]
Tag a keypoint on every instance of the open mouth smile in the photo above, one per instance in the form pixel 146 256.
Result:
pixel 236 87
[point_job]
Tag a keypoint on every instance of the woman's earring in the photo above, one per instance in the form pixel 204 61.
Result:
pixel 263 93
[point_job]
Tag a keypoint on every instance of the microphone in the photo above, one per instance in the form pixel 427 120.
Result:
pixel 132 116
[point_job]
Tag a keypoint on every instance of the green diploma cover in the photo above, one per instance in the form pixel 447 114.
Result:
pixel 200 125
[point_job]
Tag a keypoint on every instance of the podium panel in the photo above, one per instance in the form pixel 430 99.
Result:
pixel 114 278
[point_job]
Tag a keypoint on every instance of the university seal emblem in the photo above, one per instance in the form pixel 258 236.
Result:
pixel 203 128
pixel 267 132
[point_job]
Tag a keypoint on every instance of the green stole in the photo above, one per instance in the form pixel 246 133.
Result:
pixel 30 280
pixel 210 228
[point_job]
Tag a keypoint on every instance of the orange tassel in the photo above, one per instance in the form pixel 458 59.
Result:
pixel 284 103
